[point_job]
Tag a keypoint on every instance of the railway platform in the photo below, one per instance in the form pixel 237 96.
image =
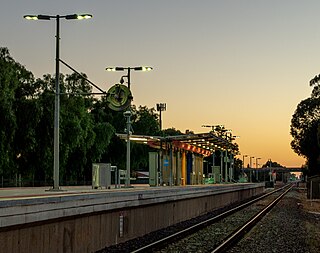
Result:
pixel 82 219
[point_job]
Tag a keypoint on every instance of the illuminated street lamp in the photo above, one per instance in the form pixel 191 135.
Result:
pixel 129 70
pixel 57 87
pixel 128 113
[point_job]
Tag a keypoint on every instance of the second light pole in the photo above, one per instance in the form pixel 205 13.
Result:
pixel 257 167
pixel 160 108
pixel 243 163
pixel 251 168
pixel 128 114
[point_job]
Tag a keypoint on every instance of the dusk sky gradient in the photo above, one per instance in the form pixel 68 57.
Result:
pixel 243 64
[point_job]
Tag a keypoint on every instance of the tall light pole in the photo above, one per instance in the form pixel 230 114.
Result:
pixel 213 160
pixel 221 165
pixel 57 86
pixel 251 161
pixel 243 162
pixel 160 108
pixel 257 166
pixel 251 168
pixel 258 158
pixel 270 172
pixel 128 113
pixel 206 167
pixel 226 166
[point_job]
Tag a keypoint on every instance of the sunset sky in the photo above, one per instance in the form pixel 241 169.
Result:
pixel 243 64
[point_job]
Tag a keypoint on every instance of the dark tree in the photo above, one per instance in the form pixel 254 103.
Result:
pixel 270 163
pixel 145 121
pixel 171 132
pixel 15 90
pixel 305 130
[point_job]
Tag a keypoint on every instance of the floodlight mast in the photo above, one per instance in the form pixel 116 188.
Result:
pixel 57 87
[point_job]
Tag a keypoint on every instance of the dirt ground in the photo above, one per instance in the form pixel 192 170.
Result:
pixel 312 221
pixel 307 204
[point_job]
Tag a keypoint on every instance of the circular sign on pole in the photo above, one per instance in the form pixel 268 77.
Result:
pixel 119 97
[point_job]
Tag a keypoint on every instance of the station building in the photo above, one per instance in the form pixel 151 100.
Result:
pixel 178 160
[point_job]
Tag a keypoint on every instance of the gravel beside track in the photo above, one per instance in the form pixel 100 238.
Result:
pixel 289 227
pixel 205 240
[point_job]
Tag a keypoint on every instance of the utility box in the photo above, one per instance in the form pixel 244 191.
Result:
pixel 101 175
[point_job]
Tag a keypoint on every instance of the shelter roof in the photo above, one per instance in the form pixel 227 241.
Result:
pixel 202 143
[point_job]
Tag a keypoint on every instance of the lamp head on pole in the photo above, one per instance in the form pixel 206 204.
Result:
pixel 37 17
pixel 161 107
pixel 48 17
pixel 112 69
pixel 81 16
pixel 142 68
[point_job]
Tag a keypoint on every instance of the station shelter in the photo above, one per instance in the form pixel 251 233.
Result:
pixel 178 160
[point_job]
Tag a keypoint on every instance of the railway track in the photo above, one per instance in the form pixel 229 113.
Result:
pixel 220 232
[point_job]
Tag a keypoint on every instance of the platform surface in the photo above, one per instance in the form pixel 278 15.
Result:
pixel 36 204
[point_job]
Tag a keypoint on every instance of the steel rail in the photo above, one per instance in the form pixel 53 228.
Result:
pixel 240 232
pixel 201 225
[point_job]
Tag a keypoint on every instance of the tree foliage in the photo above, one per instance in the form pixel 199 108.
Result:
pixel 13 78
pixel 87 127
pixel 171 132
pixel 271 163
pixel 145 121
pixel 305 129
pixel 26 129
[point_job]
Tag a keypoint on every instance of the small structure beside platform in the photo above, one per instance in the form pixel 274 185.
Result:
pixel 313 186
